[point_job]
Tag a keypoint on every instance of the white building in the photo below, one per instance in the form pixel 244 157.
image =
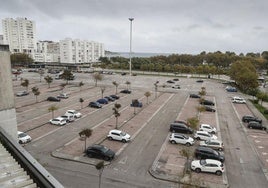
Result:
pixel 1 39
pixel 80 51
pixel 47 51
pixel 20 35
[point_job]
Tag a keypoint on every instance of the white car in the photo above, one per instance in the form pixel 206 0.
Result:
pixel 69 118
pixel 208 128
pixel 203 135
pixel 58 121
pixel 214 144
pixel 63 96
pixel 207 165
pixel 238 100
pixel 118 135
pixel 23 137
pixel 176 138
pixel 74 113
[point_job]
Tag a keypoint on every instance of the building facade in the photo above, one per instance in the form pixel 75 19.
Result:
pixel 20 35
pixel 47 51
pixel 80 51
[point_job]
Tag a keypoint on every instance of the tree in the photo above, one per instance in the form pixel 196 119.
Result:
pixel 102 91
pixel 100 167
pixel 52 109
pixel 67 75
pixel 62 85
pixel 25 83
pixel 36 92
pixel 116 113
pixel 80 85
pixel 20 59
pixel 48 80
pixel 156 88
pixel 202 92
pixel 86 133
pixel 147 94
pixel 116 86
pixel 81 100
pixel 262 96
pixel 97 77
pixel 128 84
pixel 193 122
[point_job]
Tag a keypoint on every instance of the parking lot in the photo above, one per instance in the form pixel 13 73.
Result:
pixel 167 163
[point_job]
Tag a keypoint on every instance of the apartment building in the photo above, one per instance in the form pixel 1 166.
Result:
pixel 47 51
pixel 80 51
pixel 20 35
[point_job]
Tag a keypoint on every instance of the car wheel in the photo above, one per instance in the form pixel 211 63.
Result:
pixel 264 128
pixel 197 170
pixel 107 158
pixel 250 127
pixel 213 132
pixel 110 138
pixel 124 141
pixel 219 172
pixel 89 155
pixel 220 149
pixel 197 138
pixel 188 144
pixel 173 142
pixel 20 142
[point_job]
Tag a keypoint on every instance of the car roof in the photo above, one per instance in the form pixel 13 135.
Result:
pixel 213 161
pixel 202 132
pixel 59 118
pixel 115 131
pixel 204 148
pixel 19 132
pixel 203 124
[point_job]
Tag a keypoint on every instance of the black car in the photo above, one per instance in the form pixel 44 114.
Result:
pixel 109 98
pixel 194 96
pixel 125 91
pixel 249 118
pixel 209 109
pixel 207 102
pixel 199 81
pixel 256 125
pixel 94 105
pixel 208 153
pixel 115 96
pixel 54 99
pixel 101 152
pixel 180 128
pixel 171 82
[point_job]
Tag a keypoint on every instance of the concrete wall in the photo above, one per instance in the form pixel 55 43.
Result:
pixel 7 103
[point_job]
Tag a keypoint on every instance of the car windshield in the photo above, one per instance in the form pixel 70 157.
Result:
pixel 207 141
pixel 215 152
pixel 123 133
pixel 22 135
pixel 203 162
pixel 186 137
pixel 104 149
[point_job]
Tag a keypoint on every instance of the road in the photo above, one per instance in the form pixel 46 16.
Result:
pixel 130 168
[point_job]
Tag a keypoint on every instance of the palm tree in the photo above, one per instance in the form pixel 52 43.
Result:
pixel 147 94
pixel 86 133
pixel 81 100
pixel 97 77
pixel 49 80
pixel 80 85
pixel 116 86
pixel 36 92
pixel 116 113
pixel 25 83
pixel 62 86
pixel 100 167
pixel 128 84
pixel 52 109
pixel 102 90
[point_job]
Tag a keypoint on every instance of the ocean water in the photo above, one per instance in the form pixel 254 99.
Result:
pixel 135 54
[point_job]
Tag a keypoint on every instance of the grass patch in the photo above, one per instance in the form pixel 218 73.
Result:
pixel 261 109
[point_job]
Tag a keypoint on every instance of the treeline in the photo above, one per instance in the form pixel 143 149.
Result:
pixel 205 63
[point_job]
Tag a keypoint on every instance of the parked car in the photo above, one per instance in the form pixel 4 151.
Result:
pixel 109 98
pixel 180 128
pixel 54 99
pixel 22 93
pixel 194 96
pixel 115 96
pixel 69 118
pixel 176 87
pixel 118 135
pixel 214 144
pixel 208 128
pixel 100 151
pixel 63 96
pixel 231 89
pixel 58 121
pixel 203 135
pixel 176 79
pixel 208 153
pixel 208 108
pixel 74 113
pixel 170 82
pixel 207 102
pixel 238 100
pixel 207 165
pixel 176 138
pixel 183 122
pixel 126 91
pixel 199 81
pixel 136 103
pixel 102 101
pixel 23 138
pixel 256 125
pixel 94 105
pixel 248 118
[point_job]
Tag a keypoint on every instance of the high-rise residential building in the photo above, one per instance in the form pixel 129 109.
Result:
pixel 47 51
pixel 1 39
pixel 80 51
pixel 20 35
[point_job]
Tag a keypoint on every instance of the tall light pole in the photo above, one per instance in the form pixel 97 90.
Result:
pixel 130 48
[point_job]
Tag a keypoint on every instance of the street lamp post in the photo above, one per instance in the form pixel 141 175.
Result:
pixel 130 48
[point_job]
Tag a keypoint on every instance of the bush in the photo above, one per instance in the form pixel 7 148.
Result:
pixel 265 111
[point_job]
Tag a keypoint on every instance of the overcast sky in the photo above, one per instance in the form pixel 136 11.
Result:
pixel 160 26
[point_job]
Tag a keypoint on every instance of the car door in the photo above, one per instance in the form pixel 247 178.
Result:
pixel 179 139
pixel 209 167
pixel 116 136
